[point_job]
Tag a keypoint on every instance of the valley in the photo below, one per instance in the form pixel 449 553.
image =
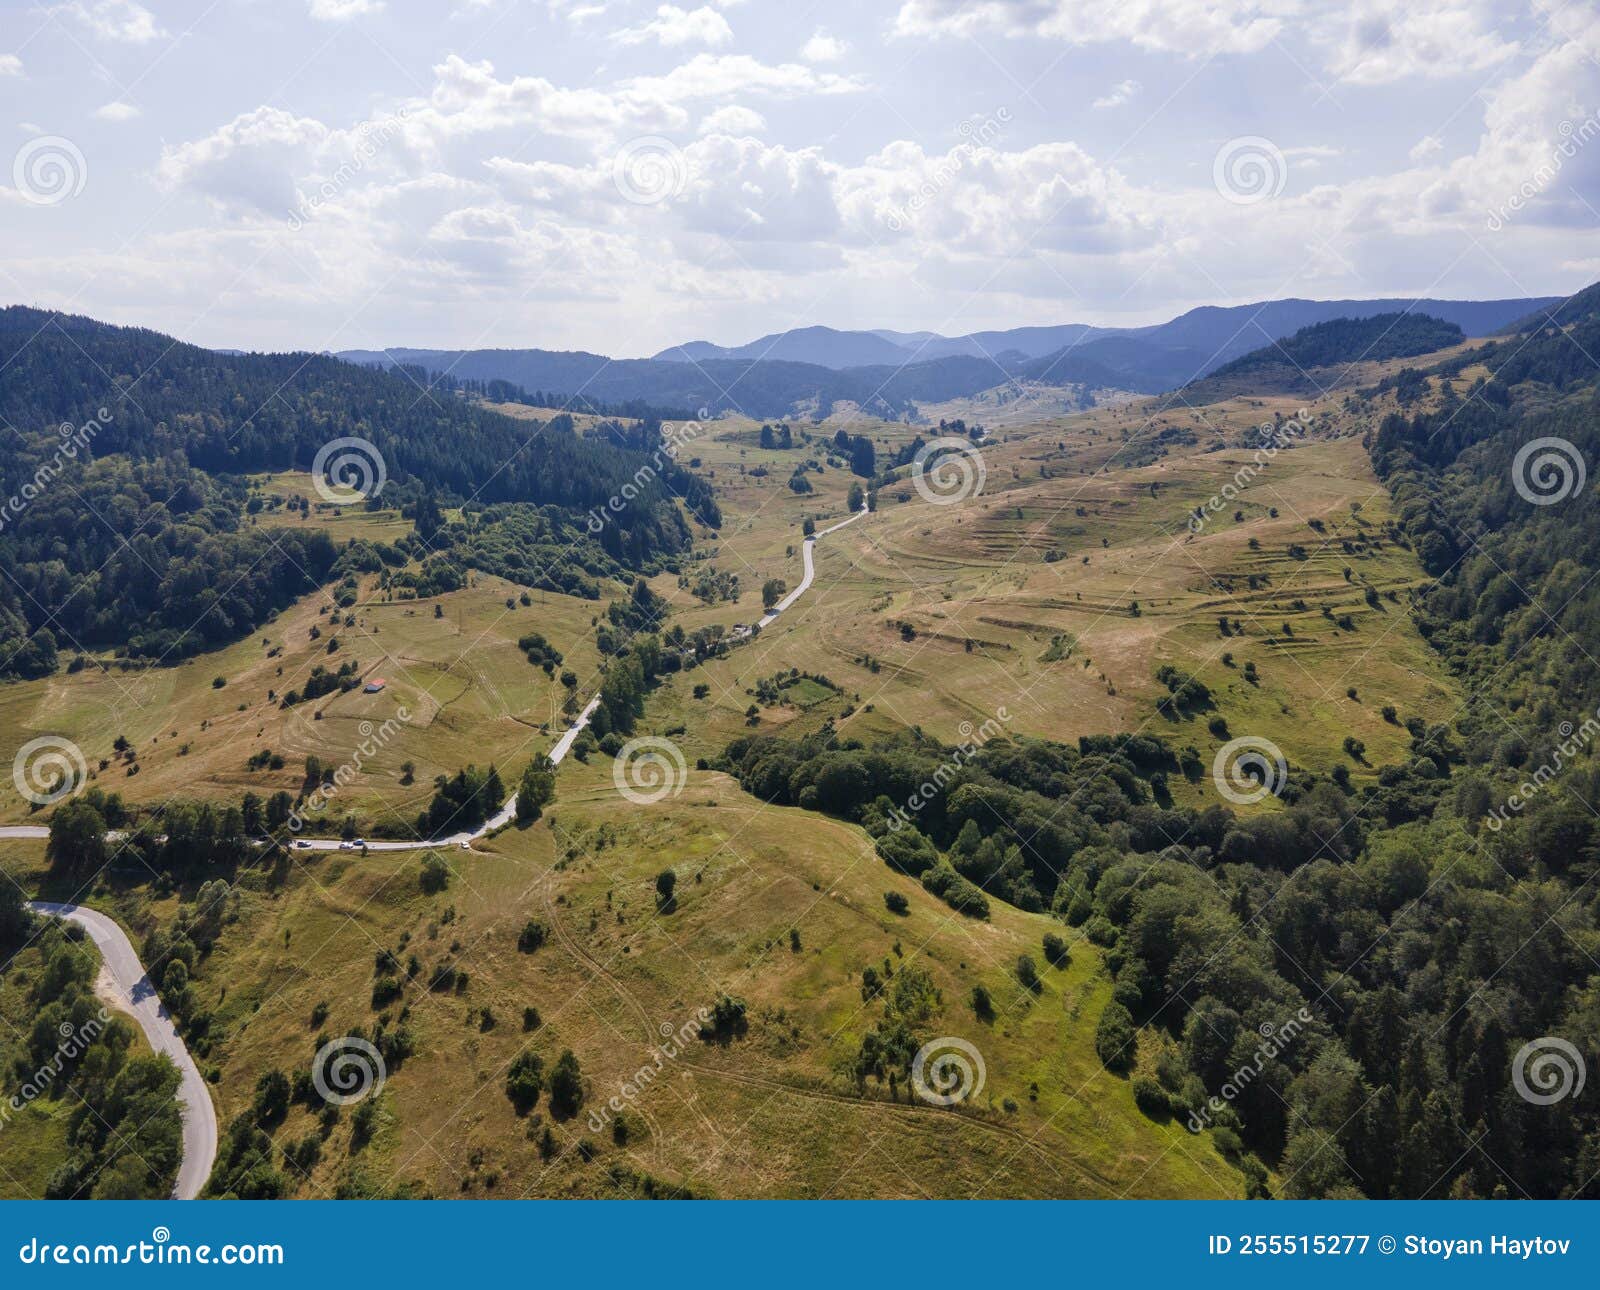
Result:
pixel 701 965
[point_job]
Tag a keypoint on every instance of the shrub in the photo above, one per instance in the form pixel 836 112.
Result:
pixel 533 935
pixel 727 1018
pixel 435 876
pixel 1056 953
pixel 1151 1098
pixel 525 1080
pixel 566 1086
pixel 1114 1038
pixel 896 903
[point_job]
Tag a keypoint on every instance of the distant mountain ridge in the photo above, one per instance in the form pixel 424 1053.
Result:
pixel 888 372
pixel 1215 332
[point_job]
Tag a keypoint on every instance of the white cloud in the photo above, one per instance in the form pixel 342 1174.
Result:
pixel 121 20
pixel 823 48
pixel 734 119
pixel 673 26
pixel 576 11
pixel 10 65
pixel 468 99
pixel 715 76
pixel 344 10
pixel 1195 28
pixel 116 111
pixel 1381 43
pixel 1541 132
pixel 249 165
pixel 1120 93
pixel 1426 147
pixel 487 185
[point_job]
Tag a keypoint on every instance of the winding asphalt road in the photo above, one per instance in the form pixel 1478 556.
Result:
pixel 810 568
pixel 123 984
pixel 499 820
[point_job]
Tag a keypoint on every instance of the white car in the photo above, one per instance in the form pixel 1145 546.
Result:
pixel 347 846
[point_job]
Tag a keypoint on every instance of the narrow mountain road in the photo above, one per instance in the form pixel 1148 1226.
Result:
pixel 123 984
pixel 499 820
pixel 20 831
pixel 810 567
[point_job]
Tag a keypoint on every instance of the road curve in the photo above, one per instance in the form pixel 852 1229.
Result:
pixel 810 568
pixel 501 818
pixel 125 985
pixel 497 821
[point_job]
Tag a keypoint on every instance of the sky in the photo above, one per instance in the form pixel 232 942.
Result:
pixel 622 175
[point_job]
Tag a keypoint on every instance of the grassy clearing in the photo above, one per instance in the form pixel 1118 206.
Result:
pixel 471 696
pixel 280 496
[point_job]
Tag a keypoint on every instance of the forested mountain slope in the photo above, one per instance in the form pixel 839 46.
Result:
pixel 1300 364
pixel 127 526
